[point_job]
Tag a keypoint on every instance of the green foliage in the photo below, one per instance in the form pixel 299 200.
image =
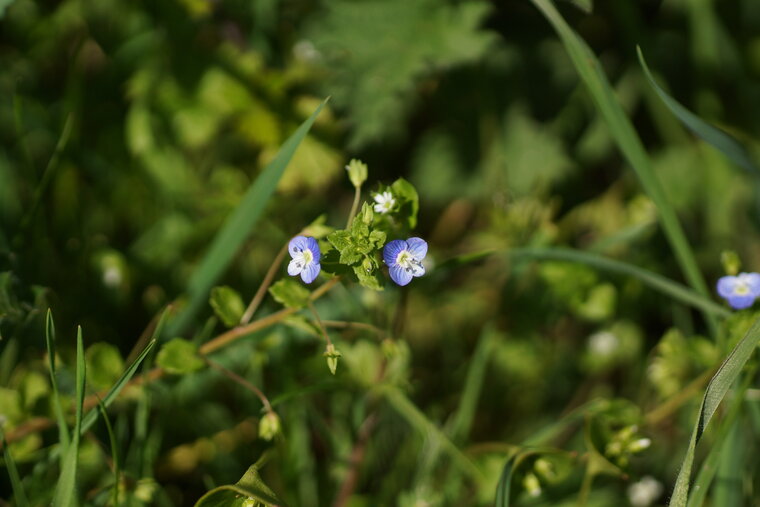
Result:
pixel 428 36
pixel 104 365
pixel 179 357
pixel 290 293
pixel 227 305
pixel 249 491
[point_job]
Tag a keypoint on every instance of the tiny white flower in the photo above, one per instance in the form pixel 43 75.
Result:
pixel 604 343
pixel 384 202
pixel 644 492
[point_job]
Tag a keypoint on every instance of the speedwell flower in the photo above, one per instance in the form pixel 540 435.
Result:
pixel 404 259
pixel 306 255
pixel 384 202
pixel 741 290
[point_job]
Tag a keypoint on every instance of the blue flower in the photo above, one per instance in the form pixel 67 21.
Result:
pixel 404 259
pixel 306 255
pixel 740 291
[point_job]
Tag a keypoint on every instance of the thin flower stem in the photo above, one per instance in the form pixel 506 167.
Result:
pixel 240 380
pixel 319 323
pixel 354 206
pixel 38 424
pixel 340 324
pixel 262 291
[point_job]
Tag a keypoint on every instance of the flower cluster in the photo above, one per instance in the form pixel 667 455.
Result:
pixel 403 258
pixel 741 290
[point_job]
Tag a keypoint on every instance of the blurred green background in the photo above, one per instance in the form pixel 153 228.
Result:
pixel 129 130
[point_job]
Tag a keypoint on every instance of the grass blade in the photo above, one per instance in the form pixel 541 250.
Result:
pixel 660 283
pixel 114 452
pixel 65 491
pixel 717 388
pixel 720 139
pixel 590 71
pixel 462 420
pixel 63 429
pixel 505 481
pixel 420 422
pixel 18 489
pixel 92 415
pixel 237 227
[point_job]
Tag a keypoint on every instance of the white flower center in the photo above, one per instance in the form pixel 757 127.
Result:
pixel 741 289
pixel 407 261
pixel 303 258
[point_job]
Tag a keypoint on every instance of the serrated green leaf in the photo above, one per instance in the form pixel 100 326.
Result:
pixel 377 238
pixel 179 357
pixel 227 305
pixel 290 293
pixel 241 494
pixel 369 279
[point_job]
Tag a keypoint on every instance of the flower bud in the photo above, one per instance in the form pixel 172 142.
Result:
pixel 357 172
pixel 269 426
pixel 332 354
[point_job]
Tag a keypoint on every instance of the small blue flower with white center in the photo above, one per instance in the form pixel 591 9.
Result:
pixel 306 255
pixel 404 259
pixel 741 290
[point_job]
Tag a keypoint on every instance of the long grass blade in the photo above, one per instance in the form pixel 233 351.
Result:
pixel 238 227
pixel 63 429
pixel 65 491
pixel 92 415
pixel 19 495
pixel 718 138
pixel 717 388
pixel 620 127
pixel 463 417
pixel 420 422
pixel 114 452
pixel 660 283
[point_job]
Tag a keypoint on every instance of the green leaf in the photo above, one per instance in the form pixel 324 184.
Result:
pixel 114 451
pixel 238 227
pixel 18 488
pixel 179 357
pixel 621 129
pixel 65 490
pixel 63 429
pixel 251 488
pixel 343 242
pixel 653 280
pixel 376 90
pixel 718 138
pixel 290 293
pixel 104 364
pixel 717 388
pixel 227 305
pixel 409 201
pixel 586 6
pixel 370 279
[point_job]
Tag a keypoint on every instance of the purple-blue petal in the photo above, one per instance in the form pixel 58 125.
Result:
pixel 418 247
pixel 753 282
pixel 310 272
pixel 312 245
pixel 297 244
pixel 726 286
pixel 741 302
pixel 391 251
pixel 400 275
